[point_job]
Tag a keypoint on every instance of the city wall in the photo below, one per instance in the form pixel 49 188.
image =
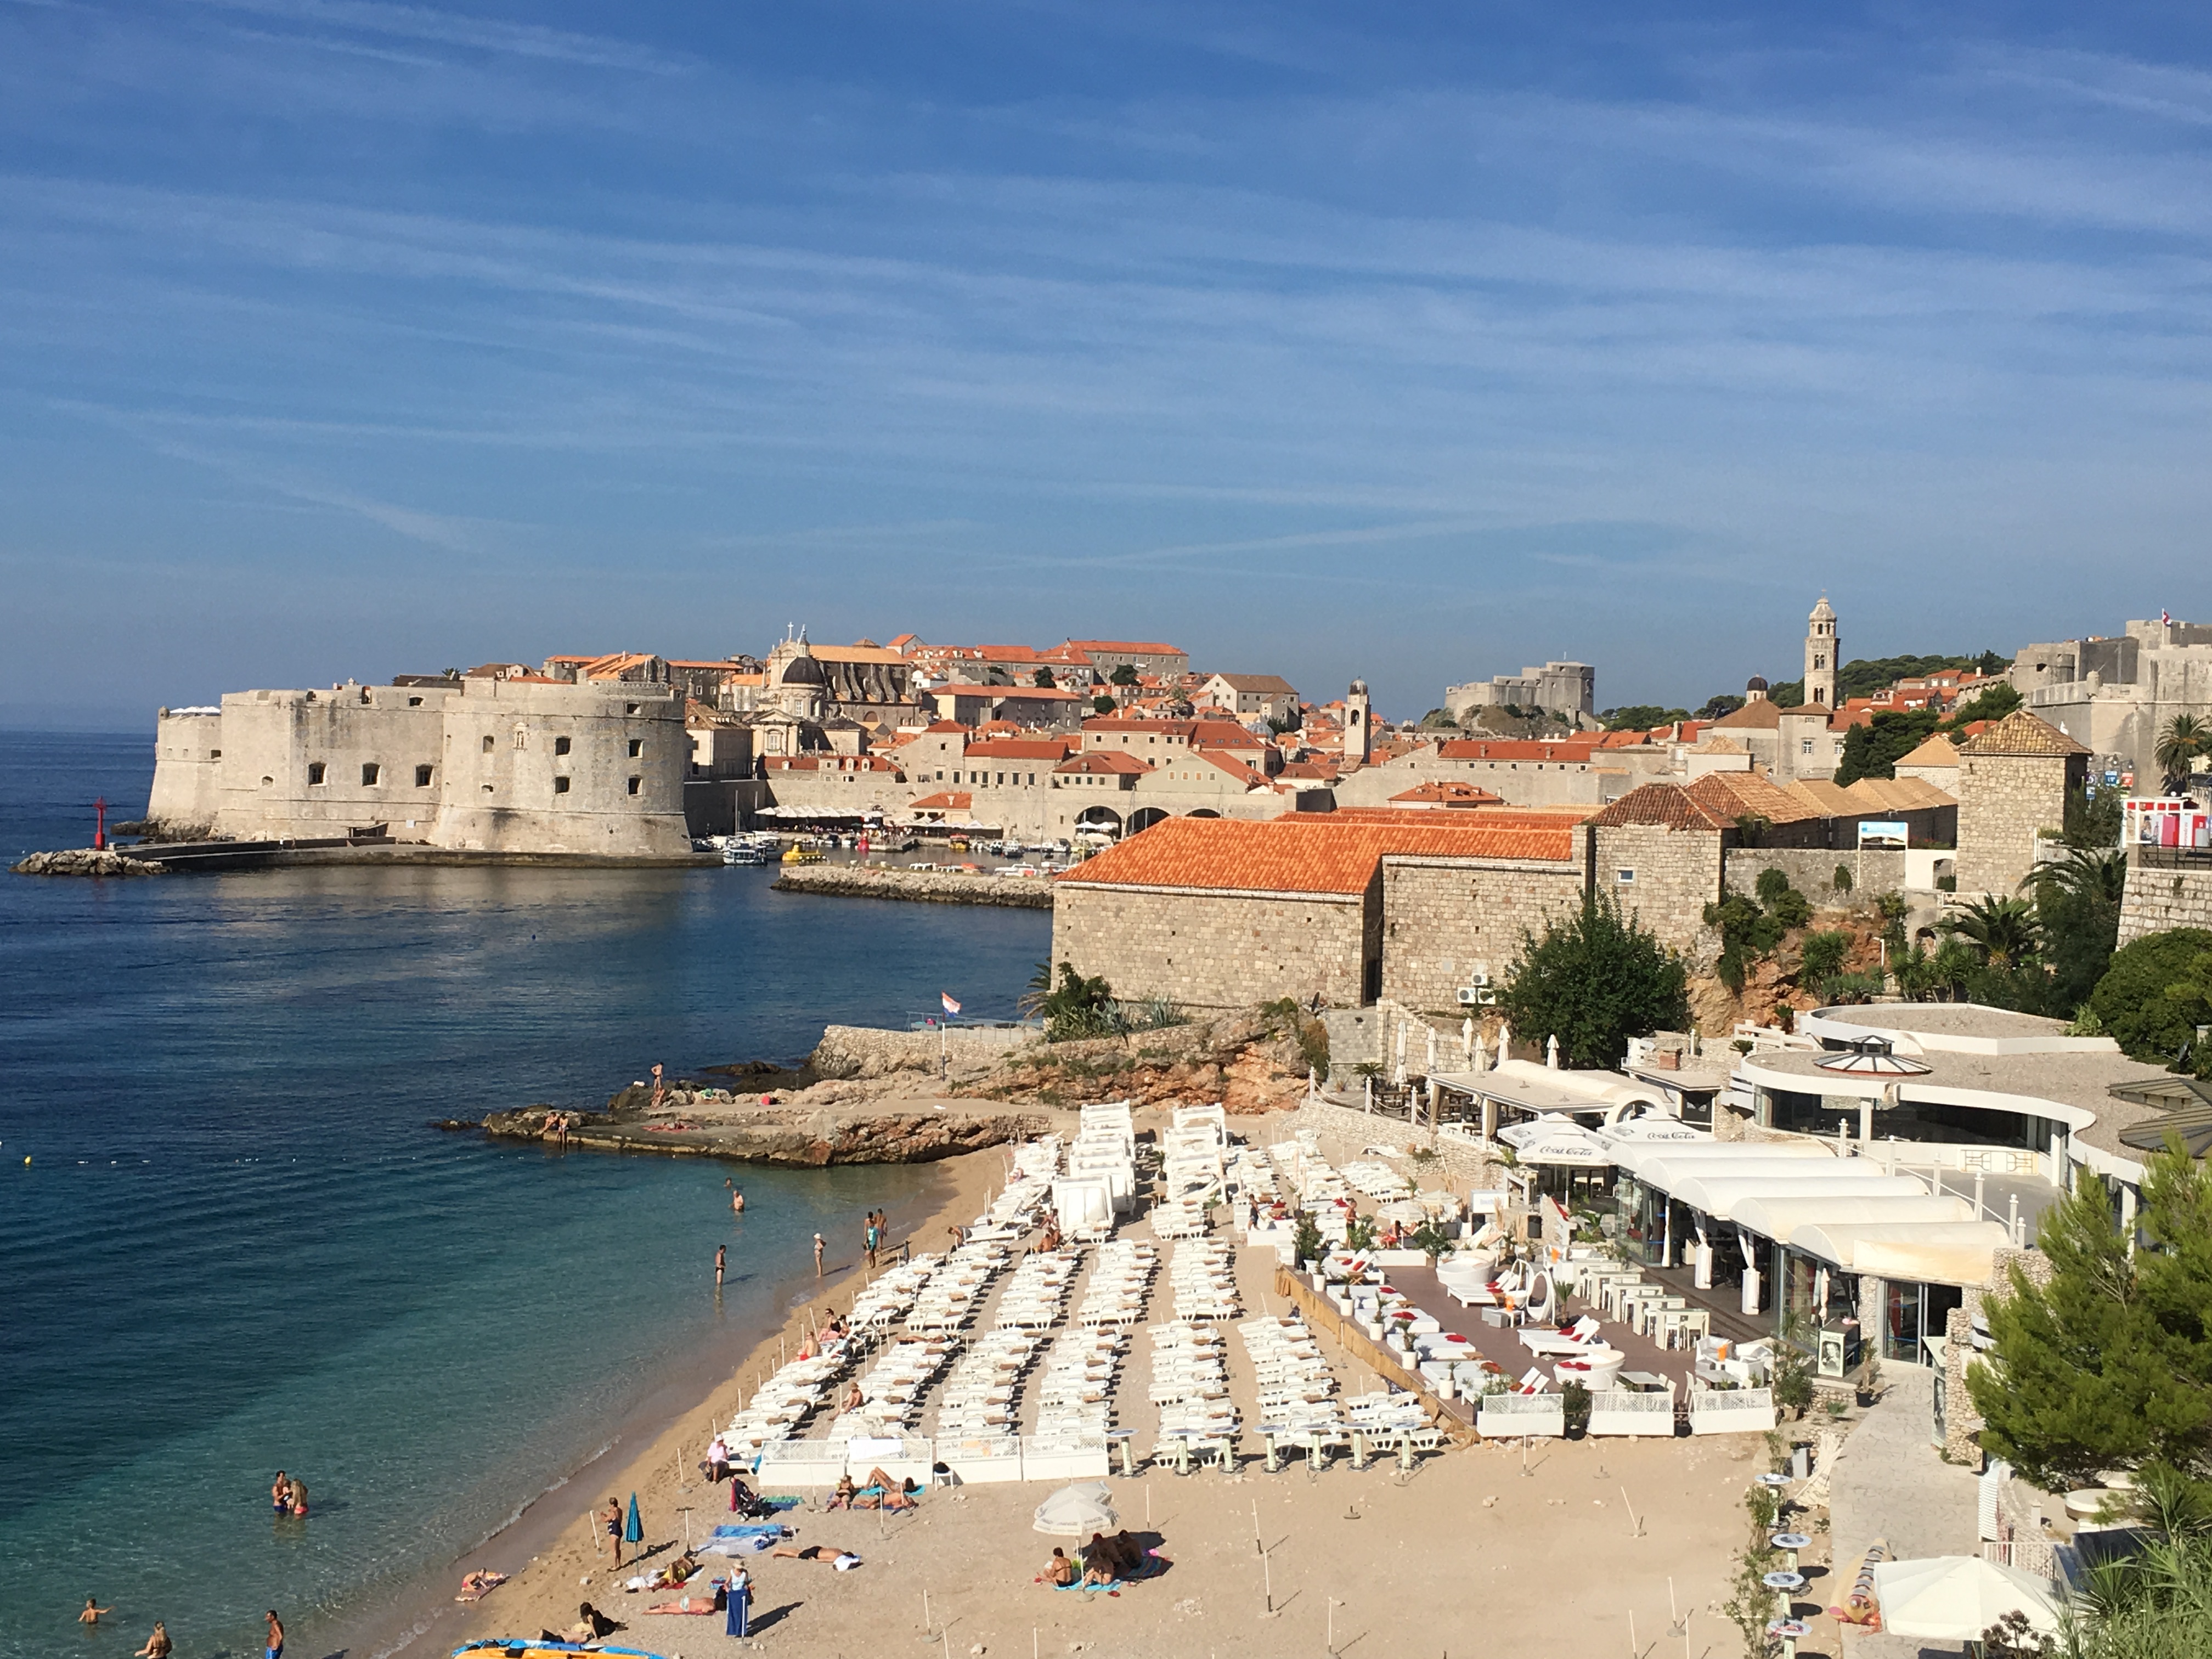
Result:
pixel 2164 891
pixel 1217 951
pixel 1446 920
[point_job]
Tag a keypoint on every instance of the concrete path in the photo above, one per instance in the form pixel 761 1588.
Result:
pixel 1889 1484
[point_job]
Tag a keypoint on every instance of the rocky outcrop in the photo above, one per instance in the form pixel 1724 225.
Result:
pixel 925 886
pixel 84 861
pixel 869 1052
pixel 791 1136
pixel 1249 1061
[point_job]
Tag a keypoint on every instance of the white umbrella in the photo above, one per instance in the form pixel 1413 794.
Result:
pixel 1078 1511
pixel 1954 1598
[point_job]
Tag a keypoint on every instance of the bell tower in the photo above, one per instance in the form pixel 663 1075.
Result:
pixel 1824 654
pixel 1356 714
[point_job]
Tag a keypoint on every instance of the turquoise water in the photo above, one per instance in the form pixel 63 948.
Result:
pixel 238 1247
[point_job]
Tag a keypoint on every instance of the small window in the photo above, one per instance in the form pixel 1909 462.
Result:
pixel 560 786
pixel 560 745
pixel 487 748
pixel 634 785
pixel 1809 745
pixel 414 702
pixel 1624 876
pixel 636 747
pixel 315 772
pixel 422 777
pixel 215 754
pixel 370 771
pixel 630 708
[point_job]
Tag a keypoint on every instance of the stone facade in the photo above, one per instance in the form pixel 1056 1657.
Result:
pixel 2164 891
pixel 869 1051
pixel 2004 799
pixel 1811 870
pixel 1662 875
pixel 1444 920
pixel 480 764
pixel 1220 949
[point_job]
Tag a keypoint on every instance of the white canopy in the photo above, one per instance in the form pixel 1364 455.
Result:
pixel 1720 1193
pixel 1656 1164
pixel 1078 1511
pixel 1782 1213
pixel 1954 1598
pixel 1670 1132
pixel 1548 1140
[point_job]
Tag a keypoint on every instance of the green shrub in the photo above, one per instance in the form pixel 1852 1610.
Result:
pixel 2131 1002
pixel 1771 885
pixel 1790 908
pixel 1841 881
pixel 1575 1405
pixel 1824 955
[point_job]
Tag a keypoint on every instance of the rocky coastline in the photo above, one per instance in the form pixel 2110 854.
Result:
pixel 922 886
pixel 86 862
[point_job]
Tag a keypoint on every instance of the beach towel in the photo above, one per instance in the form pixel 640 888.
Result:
pixel 750 1528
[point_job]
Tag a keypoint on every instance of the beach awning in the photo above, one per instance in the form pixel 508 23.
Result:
pixel 1546 1140
pixel 1077 1511
pixel 1887 1248
pixel 1658 1163
pixel 1720 1193
pixel 1653 1132
pixel 1954 1598
pixel 1780 1215
pixel 1933 1262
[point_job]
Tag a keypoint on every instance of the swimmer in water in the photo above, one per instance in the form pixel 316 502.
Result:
pixel 92 1612
pixel 722 1255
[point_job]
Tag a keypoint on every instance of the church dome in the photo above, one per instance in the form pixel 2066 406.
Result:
pixel 803 670
pixel 1756 682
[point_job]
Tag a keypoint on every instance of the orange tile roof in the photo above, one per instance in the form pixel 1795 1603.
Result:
pixel 1485 817
pixel 1448 795
pixel 949 800
pixel 2021 733
pixel 1301 856
pixel 1150 647
pixel 1667 805
pixel 945 725
pixel 1051 748
pixel 1739 794
pixel 1100 762
pixel 1570 750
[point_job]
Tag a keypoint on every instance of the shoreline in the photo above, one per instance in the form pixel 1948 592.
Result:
pixel 543 1546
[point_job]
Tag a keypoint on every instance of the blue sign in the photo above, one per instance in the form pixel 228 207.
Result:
pixel 1884 832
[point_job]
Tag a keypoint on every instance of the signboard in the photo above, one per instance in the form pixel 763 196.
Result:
pixel 1884 832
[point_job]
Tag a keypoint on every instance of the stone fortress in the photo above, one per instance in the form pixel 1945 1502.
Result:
pixel 1557 688
pixel 522 764
pixel 2114 697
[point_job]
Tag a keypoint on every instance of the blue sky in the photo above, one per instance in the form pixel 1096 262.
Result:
pixel 343 338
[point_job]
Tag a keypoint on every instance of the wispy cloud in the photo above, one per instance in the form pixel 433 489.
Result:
pixel 457 28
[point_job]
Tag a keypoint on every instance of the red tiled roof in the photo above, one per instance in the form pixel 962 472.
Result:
pixel 1668 805
pixel 1100 762
pixel 1514 749
pixel 949 800
pixel 1273 683
pixel 945 726
pixel 690 662
pixel 1741 794
pixel 1481 818
pixel 1448 795
pixel 1150 647
pixel 1284 856
pixel 2021 733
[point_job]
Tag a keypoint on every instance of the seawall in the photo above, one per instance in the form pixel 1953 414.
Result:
pixel 923 886
pixel 794 1137
pixel 868 1051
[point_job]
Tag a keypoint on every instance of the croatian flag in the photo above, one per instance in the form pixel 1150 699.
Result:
pixel 2165 616
pixel 951 1006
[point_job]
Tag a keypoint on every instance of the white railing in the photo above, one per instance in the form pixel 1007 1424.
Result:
pixel 1623 1411
pixel 1731 1411
pixel 1508 1416
pixel 2035 1555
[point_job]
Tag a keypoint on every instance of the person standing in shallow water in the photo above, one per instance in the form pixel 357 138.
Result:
pixel 90 1616
pixel 275 1649
pixel 158 1645
pixel 721 1255
pixel 820 1245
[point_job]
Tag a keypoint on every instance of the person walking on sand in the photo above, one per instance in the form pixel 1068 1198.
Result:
pixel 872 1237
pixel 276 1637
pixel 614 1520
pixel 721 1255
pixel 92 1612
pixel 157 1645
pixel 820 1245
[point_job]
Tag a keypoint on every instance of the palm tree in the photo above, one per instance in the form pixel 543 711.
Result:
pixel 2187 739
pixel 2004 929
pixel 2082 874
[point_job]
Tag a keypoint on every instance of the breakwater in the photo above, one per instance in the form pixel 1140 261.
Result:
pixel 786 1137
pixel 922 886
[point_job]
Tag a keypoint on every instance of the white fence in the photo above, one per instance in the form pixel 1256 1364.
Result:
pixel 1731 1411
pixel 1623 1411
pixel 1508 1416
pixel 978 1459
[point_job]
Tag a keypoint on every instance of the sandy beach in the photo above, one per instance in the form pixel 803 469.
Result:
pixel 1592 1543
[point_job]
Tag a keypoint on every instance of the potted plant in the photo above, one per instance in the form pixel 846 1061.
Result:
pixel 1575 1405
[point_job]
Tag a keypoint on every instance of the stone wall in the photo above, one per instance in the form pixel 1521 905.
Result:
pixel 927 886
pixel 868 1051
pixel 2163 894
pixel 1811 870
pixel 1346 1133
pixel 1444 920
pixel 2004 799
pixel 1216 950
pixel 1677 873
pixel 1962 1423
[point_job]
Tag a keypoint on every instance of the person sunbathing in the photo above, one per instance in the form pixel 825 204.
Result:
pixel 843 1560
pixel 890 1494
pixel 1059 1573
pixel 843 1497
pixel 476 1585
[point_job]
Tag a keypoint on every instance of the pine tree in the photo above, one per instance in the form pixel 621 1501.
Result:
pixel 2108 1364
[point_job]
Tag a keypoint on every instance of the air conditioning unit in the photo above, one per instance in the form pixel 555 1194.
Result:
pixel 1477 996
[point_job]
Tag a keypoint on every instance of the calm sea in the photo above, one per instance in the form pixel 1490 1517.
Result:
pixel 236 1245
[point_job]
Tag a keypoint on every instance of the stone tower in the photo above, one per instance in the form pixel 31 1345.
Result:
pixel 1824 654
pixel 1356 717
